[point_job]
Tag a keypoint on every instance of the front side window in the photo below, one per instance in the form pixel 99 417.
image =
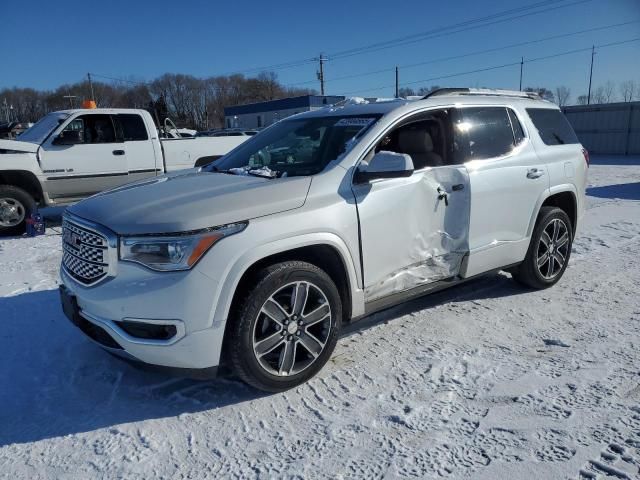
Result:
pixel 302 146
pixel 133 128
pixel 426 138
pixel 91 129
pixel 553 127
pixel 484 132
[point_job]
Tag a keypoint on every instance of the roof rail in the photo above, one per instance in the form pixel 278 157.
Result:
pixel 440 92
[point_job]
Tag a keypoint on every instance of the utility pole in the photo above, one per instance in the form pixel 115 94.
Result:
pixel 70 97
pixel 521 65
pixel 320 72
pixel 397 83
pixel 93 97
pixel 593 52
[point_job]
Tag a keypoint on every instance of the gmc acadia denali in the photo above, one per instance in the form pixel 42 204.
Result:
pixel 256 260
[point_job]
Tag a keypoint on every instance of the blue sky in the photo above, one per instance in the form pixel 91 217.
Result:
pixel 51 43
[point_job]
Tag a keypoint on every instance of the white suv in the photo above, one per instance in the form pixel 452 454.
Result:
pixel 256 261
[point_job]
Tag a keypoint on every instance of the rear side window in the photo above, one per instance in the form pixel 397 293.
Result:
pixel 133 128
pixel 553 127
pixel 518 133
pixel 484 132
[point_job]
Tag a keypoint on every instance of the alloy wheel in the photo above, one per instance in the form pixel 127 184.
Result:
pixel 292 328
pixel 553 249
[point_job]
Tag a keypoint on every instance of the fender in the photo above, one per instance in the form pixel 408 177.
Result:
pixel 23 170
pixel 245 260
pixel 561 188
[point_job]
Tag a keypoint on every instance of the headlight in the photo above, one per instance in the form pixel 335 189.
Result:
pixel 174 252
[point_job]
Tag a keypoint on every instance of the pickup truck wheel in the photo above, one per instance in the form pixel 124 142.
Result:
pixel 286 328
pixel 15 207
pixel 549 250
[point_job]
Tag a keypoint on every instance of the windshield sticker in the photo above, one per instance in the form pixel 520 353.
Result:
pixel 354 122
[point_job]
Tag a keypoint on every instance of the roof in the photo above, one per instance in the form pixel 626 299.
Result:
pixel 303 101
pixel 99 110
pixel 400 105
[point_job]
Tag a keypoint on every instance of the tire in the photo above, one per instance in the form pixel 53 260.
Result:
pixel 549 250
pixel 260 345
pixel 15 207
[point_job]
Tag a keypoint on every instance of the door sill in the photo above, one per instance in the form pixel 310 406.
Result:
pixel 395 299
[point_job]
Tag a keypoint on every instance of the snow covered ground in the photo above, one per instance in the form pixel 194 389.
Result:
pixel 486 380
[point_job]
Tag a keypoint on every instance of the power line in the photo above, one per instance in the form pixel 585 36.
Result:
pixel 134 82
pixel 457 28
pixel 470 54
pixel 496 67
pixel 418 37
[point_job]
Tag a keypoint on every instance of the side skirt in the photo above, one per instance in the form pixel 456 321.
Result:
pixel 395 299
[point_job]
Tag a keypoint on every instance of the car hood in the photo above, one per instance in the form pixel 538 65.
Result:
pixel 191 200
pixel 12 146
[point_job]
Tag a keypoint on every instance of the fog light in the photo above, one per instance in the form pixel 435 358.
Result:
pixel 148 331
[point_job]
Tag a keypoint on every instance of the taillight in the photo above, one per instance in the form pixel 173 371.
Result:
pixel 585 153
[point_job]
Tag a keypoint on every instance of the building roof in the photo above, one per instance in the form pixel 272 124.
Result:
pixel 304 101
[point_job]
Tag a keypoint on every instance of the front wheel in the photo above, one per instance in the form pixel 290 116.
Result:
pixel 15 207
pixel 549 250
pixel 286 328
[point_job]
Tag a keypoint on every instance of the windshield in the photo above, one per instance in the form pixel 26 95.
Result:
pixel 295 147
pixel 43 128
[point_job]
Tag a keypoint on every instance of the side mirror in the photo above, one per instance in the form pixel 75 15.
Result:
pixel 385 165
pixel 68 137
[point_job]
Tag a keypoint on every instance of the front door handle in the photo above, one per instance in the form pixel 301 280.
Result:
pixel 534 173
pixel 118 152
pixel 443 195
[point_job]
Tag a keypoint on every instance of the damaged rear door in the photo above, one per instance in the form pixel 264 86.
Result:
pixel 414 230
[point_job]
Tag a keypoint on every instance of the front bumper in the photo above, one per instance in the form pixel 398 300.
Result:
pixel 137 296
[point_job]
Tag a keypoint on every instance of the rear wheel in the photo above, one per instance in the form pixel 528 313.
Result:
pixel 286 328
pixel 15 207
pixel 549 250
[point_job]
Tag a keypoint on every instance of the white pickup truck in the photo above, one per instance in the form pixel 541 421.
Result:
pixel 72 154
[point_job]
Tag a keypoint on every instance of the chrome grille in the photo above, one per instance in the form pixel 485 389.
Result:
pixel 84 253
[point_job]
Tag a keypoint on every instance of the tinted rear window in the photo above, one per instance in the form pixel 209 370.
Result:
pixel 132 127
pixel 487 130
pixel 553 127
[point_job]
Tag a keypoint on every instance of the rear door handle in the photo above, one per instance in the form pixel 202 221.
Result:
pixel 534 173
pixel 118 152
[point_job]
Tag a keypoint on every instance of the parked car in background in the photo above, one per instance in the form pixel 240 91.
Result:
pixel 72 154
pixel 227 132
pixel 12 129
pixel 256 261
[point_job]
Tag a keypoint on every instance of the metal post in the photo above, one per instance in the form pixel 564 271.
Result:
pixel 627 149
pixel 521 65
pixel 593 52
pixel 397 84
pixel 321 59
pixel 93 97
pixel 70 97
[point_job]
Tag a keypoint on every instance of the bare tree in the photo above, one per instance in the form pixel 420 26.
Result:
pixel 405 92
pixel 582 99
pixel 562 95
pixel 608 90
pixel 599 95
pixel 628 90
